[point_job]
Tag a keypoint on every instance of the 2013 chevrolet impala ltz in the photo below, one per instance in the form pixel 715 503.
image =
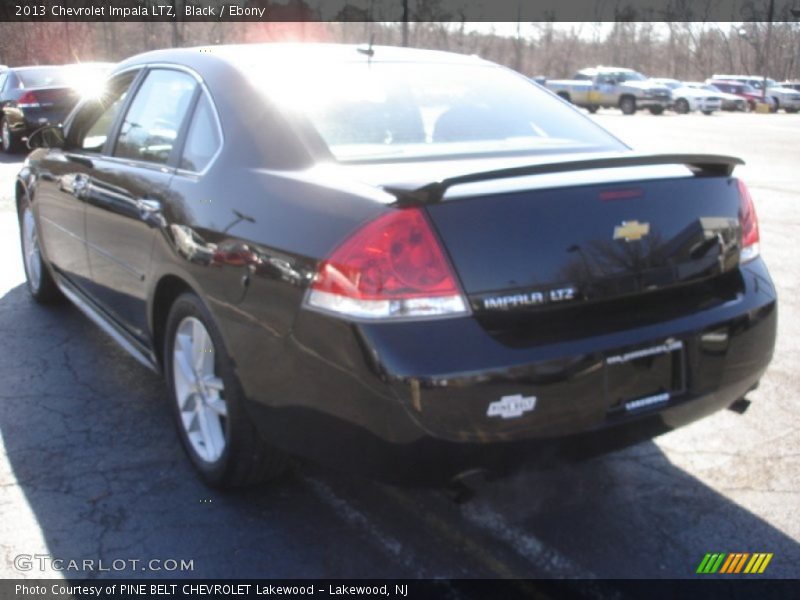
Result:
pixel 410 264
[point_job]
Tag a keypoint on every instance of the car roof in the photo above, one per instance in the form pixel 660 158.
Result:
pixel 728 81
pixel 34 67
pixel 601 69
pixel 266 54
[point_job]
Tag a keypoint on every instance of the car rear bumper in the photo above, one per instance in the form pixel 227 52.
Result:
pixel 410 401
pixel 24 122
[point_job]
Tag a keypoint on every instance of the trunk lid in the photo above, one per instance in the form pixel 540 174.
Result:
pixel 530 250
pixel 58 99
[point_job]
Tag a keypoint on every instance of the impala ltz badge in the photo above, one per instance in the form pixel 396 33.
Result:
pixel 535 298
pixel 510 407
pixel 630 231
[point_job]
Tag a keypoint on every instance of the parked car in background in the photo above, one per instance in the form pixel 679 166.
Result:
pixel 31 97
pixel 784 98
pixel 730 102
pixel 612 87
pixel 406 263
pixel 687 99
pixel 738 88
pixel 794 85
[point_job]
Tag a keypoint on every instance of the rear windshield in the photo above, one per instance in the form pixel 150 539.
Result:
pixel 41 77
pixel 395 110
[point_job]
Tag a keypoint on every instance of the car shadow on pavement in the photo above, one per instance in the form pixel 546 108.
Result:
pixel 88 440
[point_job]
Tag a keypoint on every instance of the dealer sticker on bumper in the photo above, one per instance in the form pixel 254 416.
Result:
pixel 510 407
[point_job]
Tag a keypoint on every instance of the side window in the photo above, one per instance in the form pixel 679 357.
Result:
pixel 3 78
pixel 203 139
pixel 154 118
pixel 92 125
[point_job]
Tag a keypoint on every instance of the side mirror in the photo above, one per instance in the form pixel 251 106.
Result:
pixel 49 136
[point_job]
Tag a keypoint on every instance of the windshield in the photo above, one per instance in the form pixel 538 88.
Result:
pixel 396 110
pixel 711 88
pixel 41 77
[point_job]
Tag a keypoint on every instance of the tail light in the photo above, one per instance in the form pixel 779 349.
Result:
pixel 28 100
pixel 749 225
pixel 393 267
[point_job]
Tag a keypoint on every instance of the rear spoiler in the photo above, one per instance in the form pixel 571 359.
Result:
pixel 701 164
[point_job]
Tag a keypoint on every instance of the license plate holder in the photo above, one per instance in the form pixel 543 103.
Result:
pixel 644 378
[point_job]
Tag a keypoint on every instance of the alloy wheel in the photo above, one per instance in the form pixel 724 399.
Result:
pixel 199 391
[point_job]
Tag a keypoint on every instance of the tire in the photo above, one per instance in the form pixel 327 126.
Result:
pixel 656 110
pixel 708 113
pixel 9 142
pixel 627 105
pixel 790 111
pixel 212 422
pixel 592 109
pixel 41 285
pixel 682 106
pixel 774 105
pixel 565 96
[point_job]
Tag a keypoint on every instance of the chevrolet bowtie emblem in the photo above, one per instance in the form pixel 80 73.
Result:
pixel 630 231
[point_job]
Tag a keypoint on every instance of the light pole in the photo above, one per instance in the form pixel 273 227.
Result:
pixel 405 23
pixel 770 13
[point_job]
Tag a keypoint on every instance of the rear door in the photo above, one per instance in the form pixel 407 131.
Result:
pixel 128 189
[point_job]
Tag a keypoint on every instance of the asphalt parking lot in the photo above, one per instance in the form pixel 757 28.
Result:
pixel 90 467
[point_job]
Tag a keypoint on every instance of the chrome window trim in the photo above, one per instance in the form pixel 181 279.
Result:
pixel 204 89
pixel 212 160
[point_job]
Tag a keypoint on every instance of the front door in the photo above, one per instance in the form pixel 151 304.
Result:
pixel 65 174
pixel 128 188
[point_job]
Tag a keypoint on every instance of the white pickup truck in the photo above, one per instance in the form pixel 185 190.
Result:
pixel 612 87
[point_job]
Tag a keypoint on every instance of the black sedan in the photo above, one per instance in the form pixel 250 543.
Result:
pixel 31 97
pixel 405 263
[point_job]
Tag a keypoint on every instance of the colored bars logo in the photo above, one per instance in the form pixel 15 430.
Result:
pixel 734 562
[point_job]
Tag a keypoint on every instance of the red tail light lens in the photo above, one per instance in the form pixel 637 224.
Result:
pixel 393 267
pixel 749 225
pixel 28 100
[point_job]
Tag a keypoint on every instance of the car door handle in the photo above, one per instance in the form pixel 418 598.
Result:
pixel 80 185
pixel 150 211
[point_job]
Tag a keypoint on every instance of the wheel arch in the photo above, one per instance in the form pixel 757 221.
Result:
pixel 166 291
pixel 22 186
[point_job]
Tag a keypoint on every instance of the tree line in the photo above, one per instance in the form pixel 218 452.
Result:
pixel 682 50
